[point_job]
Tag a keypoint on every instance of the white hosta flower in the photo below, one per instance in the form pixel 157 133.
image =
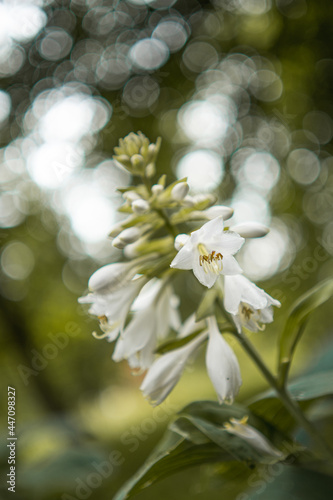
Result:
pixel 112 308
pixel 209 252
pixel 222 365
pixel 155 311
pixel 250 229
pixel 249 305
pixel 221 362
pixel 166 371
pixel 252 436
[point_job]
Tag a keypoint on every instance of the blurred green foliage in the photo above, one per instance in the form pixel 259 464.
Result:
pixel 74 405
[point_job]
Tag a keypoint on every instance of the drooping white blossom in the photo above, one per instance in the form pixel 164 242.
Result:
pixel 209 252
pixel 166 371
pixel 154 311
pixel 249 305
pixel 222 365
pixel 111 307
pixel 221 362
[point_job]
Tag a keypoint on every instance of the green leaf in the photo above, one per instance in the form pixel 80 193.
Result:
pixel 177 343
pixel 209 417
pixel 305 389
pixel 296 322
pixel 284 482
pixel 234 445
pixel 172 455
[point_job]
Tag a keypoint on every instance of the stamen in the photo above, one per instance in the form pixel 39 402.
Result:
pixel 211 262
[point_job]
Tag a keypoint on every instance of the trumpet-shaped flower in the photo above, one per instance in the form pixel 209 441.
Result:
pixel 111 307
pixel 209 252
pixel 155 311
pixel 249 305
pixel 166 371
pixel 221 362
pixel 222 365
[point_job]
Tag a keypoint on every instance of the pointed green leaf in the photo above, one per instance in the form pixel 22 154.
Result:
pixel 172 455
pixel 304 389
pixel 296 321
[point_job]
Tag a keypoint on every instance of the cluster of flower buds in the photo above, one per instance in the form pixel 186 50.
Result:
pixel 137 155
pixel 134 300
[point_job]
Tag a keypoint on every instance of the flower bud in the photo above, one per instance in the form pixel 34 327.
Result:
pixel 157 189
pixel 137 161
pixel 127 236
pixel 140 206
pixel 179 191
pixel 124 160
pixel 109 277
pixel 189 201
pixel 150 170
pixel 250 229
pixel 131 196
pixel 180 241
pixel 218 210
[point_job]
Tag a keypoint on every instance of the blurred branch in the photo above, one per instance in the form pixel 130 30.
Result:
pixel 16 327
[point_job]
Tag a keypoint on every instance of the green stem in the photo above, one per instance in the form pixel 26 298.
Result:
pixel 290 404
pixel 172 230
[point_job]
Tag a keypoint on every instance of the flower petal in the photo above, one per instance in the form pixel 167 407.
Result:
pixel 206 278
pixel 184 258
pixel 222 365
pixel 230 265
pixel 229 243
pixel 165 372
pixel 232 294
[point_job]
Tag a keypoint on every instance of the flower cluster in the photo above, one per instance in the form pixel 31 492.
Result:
pixel 134 300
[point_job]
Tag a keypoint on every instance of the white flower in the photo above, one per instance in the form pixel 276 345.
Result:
pixel 221 362
pixel 222 365
pixel 112 307
pixel 249 305
pixel 209 252
pixel 155 311
pixel 110 277
pixel 250 229
pixel 252 436
pixel 166 371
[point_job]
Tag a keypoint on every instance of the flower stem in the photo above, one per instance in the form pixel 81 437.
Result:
pixel 172 230
pixel 290 404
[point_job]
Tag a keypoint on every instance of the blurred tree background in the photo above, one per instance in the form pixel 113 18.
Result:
pixel 240 92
